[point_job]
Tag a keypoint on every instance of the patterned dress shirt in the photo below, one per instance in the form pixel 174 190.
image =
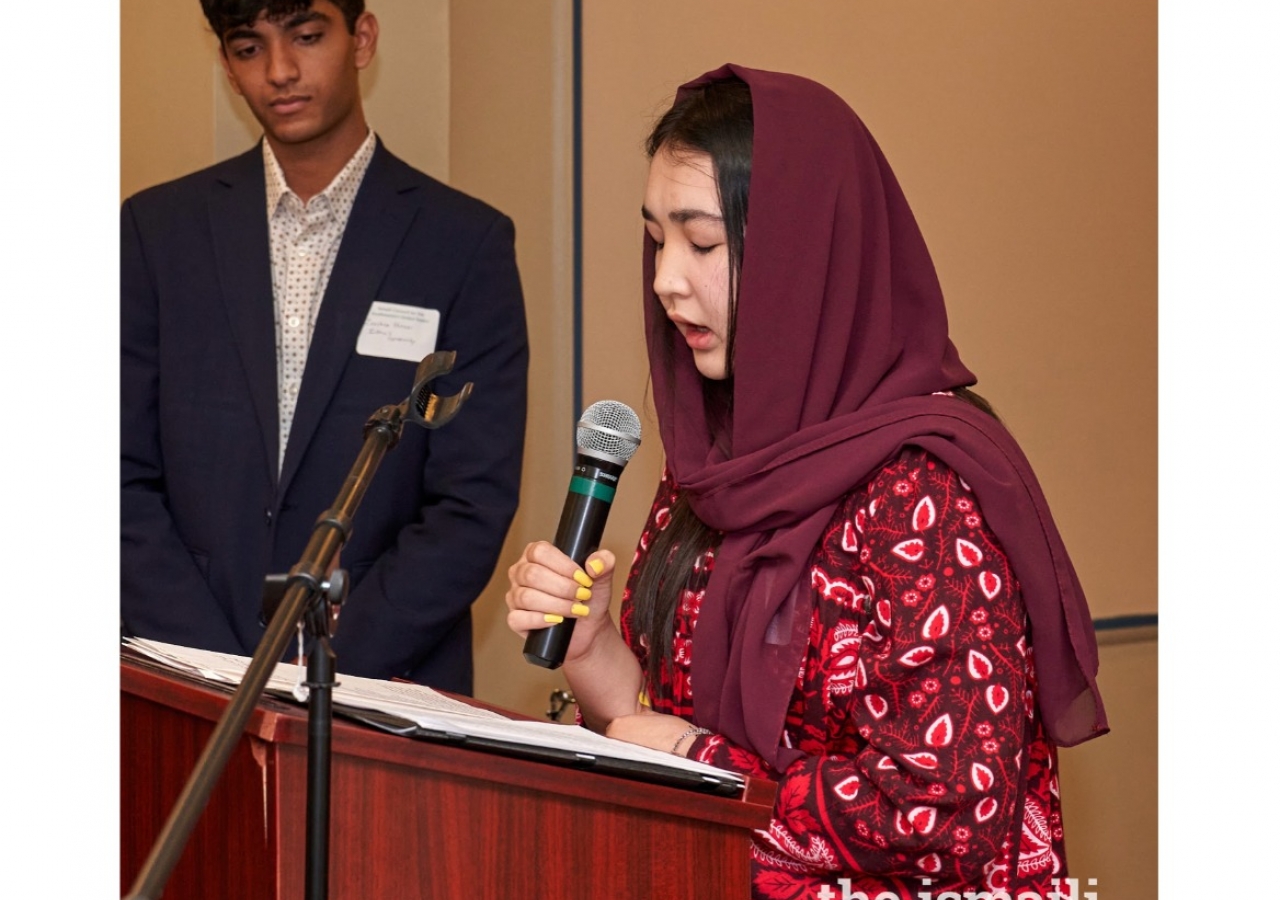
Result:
pixel 304 243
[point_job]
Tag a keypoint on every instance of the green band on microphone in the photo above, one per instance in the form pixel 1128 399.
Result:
pixel 589 488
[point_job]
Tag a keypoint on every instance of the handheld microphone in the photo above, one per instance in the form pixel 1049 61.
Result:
pixel 608 435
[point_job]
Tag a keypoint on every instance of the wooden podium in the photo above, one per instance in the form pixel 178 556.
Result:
pixel 411 819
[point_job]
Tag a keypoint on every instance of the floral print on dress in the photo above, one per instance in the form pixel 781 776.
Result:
pixel 915 704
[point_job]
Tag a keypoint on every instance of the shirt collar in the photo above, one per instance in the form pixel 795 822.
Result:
pixel 341 200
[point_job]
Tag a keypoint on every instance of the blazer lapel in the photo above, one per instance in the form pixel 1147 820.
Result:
pixel 380 216
pixel 242 249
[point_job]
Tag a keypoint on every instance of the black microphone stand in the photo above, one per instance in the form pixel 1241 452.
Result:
pixel 308 598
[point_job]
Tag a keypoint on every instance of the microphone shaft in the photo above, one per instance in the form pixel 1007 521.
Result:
pixel 586 508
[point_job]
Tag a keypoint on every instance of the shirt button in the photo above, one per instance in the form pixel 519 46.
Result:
pixel 293 389
pixel 294 321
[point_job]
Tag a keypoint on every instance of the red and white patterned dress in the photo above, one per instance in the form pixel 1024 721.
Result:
pixel 916 706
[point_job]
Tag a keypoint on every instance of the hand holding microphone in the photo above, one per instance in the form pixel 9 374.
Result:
pixel 608 435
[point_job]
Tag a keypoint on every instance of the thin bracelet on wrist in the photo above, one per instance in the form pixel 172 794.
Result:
pixel 695 730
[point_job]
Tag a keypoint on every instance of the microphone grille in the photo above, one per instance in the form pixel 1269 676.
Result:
pixel 609 429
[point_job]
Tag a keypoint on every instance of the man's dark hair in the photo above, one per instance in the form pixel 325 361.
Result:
pixel 223 15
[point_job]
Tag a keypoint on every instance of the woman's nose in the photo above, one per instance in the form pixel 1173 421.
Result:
pixel 668 278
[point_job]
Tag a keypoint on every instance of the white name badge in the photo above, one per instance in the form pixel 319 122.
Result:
pixel 397 331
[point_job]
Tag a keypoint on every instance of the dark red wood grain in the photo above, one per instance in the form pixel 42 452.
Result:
pixel 410 818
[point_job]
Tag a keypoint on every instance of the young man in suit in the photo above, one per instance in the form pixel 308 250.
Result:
pixel 270 305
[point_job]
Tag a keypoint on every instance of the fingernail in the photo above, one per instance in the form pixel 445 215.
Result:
pixel 582 594
pixel 581 610
pixel 553 619
pixel 644 697
pixel 596 566
pixel 583 578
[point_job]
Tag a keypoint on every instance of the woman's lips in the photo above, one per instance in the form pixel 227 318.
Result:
pixel 699 338
pixel 696 336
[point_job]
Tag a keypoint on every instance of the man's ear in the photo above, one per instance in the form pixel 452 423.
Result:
pixel 365 35
pixel 226 67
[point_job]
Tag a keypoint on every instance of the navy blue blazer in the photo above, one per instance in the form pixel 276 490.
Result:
pixel 204 514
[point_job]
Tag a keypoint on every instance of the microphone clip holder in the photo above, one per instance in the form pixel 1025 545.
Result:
pixel 323 608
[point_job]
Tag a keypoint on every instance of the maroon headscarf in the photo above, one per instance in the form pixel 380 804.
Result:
pixel 840 343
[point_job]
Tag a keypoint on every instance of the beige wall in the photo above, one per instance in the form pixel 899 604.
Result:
pixel 166 92
pixel 511 132
pixel 1025 138
pixel 1109 796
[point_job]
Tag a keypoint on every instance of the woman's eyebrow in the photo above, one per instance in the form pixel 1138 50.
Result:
pixel 681 216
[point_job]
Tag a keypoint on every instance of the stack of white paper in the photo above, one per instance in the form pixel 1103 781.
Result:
pixel 423 706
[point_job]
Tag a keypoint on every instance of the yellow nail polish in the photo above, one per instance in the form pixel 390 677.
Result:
pixel 583 578
pixel 644 698
pixel 581 610
pixel 553 619
pixel 582 594
pixel 596 566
